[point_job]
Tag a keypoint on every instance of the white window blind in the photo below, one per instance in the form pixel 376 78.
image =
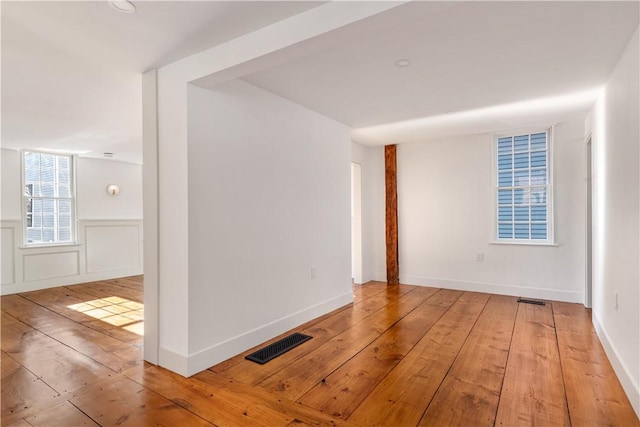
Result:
pixel 49 203
pixel 523 188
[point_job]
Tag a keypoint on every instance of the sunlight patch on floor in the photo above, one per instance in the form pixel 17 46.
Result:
pixel 116 311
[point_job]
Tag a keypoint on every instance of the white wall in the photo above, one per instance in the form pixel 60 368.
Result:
pixel 269 200
pixel 373 211
pixel 93 176
pixel 109 229
pixel 446 214
pixel 616 220
pixel 10 185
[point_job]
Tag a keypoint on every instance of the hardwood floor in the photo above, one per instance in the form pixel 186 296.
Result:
pixel 398 356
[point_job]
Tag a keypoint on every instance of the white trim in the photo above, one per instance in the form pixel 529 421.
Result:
pixel 551 207
pixel 524 243
pixel 73 198
pixel 48 277
pixel 521 131
pixel 356 222
pixel 630 386
pixel 495 288
pixel 150 206
pixel 49 245
pixel 173 361
pixel 12 228
pixel 219 352
pixel 588 185
pixel 37 285
pixel 87 225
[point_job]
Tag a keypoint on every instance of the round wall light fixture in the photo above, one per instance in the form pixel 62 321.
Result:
pixel 123 6
pixel 113 190
pixel 402 63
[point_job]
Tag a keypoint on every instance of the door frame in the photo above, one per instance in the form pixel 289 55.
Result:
pixel 356 222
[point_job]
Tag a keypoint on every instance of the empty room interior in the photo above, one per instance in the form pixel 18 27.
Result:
pixel 439 200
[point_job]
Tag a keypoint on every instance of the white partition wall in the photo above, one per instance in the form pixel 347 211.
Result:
pixel 616 220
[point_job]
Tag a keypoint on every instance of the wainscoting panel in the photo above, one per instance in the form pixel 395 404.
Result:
pixel 50 265
pixel 112 247
pixel 105 249
pixel 7 245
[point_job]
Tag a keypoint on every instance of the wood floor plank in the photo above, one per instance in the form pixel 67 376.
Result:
pixel 59 366
pixel 206 401
pixel 225 402
pixel 298 377
pixel 107 290
pixel 64 414
pixel 46 405
pixel 19 423
pixel 533 389
pixel 127 403
pixel 402 397
pixel 303 414
pixel 7 365
pixel 594 397
pixel 21 389
pixel 132 332
pixel 59 300
pixel 371 288
pixel 133 282
pixel 78 307
pixel 106 350
pixel 343 390
pixel 470 392
pixel 249 372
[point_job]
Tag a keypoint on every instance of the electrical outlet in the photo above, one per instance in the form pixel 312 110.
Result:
pixel 314 273
pixel 615 293
pixel 480 256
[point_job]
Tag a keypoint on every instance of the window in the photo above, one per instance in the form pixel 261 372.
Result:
pixel 49 204
pixel 523 188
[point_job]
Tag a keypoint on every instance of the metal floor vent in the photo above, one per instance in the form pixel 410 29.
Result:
pixel 531 301
pixel 274 350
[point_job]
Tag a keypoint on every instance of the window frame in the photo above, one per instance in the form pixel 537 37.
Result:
pixel 550 240
pixel 72 198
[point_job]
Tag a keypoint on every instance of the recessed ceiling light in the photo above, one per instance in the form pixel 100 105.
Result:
pixel 123 6
pixel 403 63
pixel 108 154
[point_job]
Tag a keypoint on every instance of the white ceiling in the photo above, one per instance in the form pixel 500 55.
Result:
pixel 463 57
pixel 71 70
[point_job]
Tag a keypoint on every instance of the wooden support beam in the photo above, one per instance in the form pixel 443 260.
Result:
pixel 393 275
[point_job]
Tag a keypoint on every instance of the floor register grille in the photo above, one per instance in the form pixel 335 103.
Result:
pixel 274 350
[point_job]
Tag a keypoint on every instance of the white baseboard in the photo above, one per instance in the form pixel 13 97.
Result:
pixel 14 288
pixel 630 386
pixel 380 276
pixel 217 353
pixel 494 288
pixel 367 277
pixel 178 363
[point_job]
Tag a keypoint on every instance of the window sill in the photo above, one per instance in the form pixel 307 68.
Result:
pixel 527 243
pixel 50 245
